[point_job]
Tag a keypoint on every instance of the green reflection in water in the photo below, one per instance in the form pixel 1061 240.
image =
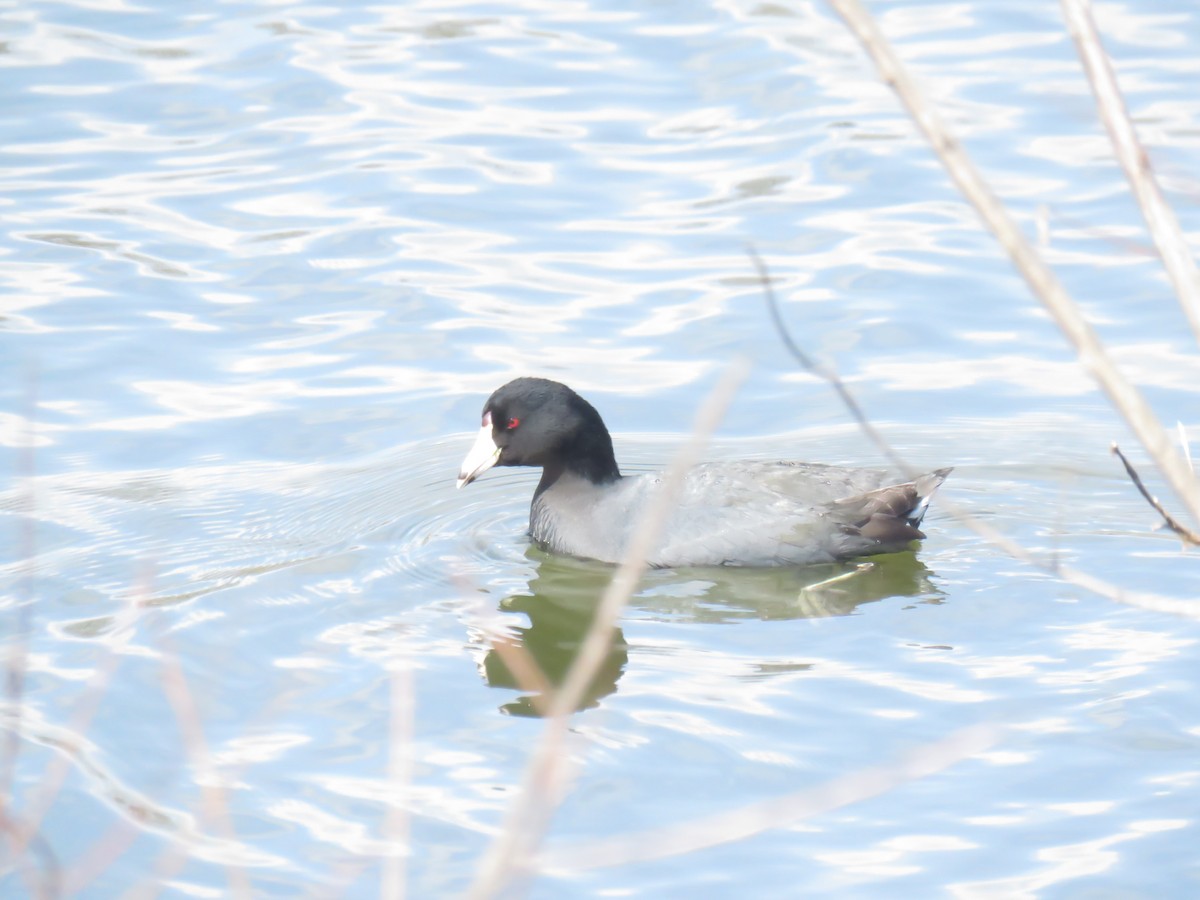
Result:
pixel 561 600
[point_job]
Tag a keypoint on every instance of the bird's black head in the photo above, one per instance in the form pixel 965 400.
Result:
pixel 537 422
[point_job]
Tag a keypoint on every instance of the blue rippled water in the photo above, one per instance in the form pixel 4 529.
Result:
pixel 261 264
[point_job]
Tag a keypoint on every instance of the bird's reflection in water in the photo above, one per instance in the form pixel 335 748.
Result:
pixel 561 601
pixel 832 589
pixel 560 605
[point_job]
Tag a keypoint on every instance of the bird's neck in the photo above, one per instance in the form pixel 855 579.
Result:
pixel 594 468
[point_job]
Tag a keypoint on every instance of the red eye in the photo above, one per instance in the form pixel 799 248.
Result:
pixel 513 423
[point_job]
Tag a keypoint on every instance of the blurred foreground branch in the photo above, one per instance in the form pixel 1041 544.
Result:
pixel 1042 281
pixel 214 803
pixel 1161 221
pixel 397 826
pixel 544 780
pixel 777 812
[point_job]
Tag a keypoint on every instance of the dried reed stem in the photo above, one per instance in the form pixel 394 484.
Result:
pixel 400 764
pixel 1161 221
pixel 777 812
pixel 516 657
pixel 17 646
pixel 56 770
pixel 525 671
pixel 1042 281
pixel 543 780
pixel 214 804
pixel 1182 530
pixel 20 838
pixel 99 856
pixel 50 885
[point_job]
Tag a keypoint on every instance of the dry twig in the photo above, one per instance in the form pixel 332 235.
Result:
pixel 1180 529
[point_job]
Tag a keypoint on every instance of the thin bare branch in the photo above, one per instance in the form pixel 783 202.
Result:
pixel 1051 566
pixel 544 779
pixel 1182 530
pixel 1124 396
pixel 827 373
pixel 1160 218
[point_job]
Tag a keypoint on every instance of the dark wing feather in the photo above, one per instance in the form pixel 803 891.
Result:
pixel 889 515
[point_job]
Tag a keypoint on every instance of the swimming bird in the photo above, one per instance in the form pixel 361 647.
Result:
pixel 735 513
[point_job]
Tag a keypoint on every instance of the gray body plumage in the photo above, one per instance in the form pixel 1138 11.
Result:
pixel 739 513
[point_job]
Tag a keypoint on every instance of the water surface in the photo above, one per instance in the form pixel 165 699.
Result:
pixel 263 263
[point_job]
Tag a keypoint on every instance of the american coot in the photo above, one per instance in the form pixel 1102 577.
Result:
pixel 743 513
